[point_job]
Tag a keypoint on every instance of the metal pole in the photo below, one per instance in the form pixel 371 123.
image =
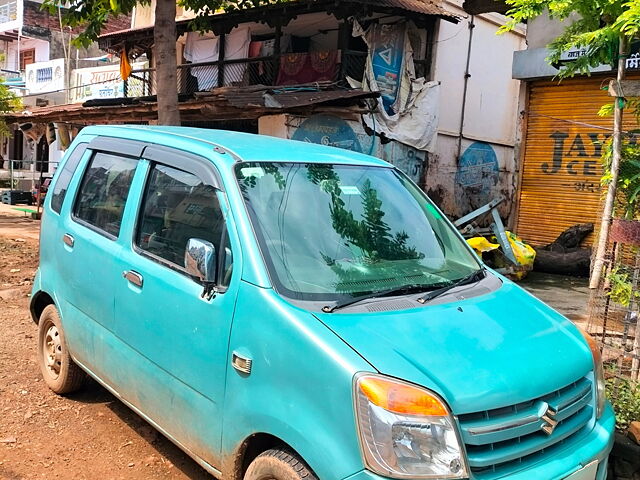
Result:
pixel 607 213
pixel 467 75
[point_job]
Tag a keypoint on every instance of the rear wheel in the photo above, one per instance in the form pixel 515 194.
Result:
pixel 278 464
pixel 59 371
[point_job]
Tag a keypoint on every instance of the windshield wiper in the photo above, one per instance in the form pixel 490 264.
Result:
pixel 381 293
pixel 472 278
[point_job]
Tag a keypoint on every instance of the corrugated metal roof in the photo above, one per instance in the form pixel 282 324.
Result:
pixel 426 7
pixel 226 102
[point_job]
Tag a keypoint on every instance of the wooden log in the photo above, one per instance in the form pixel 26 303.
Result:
pixel 575 263
pixel 573 236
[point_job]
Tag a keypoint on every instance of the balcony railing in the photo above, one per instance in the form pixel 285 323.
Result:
pixel 269 71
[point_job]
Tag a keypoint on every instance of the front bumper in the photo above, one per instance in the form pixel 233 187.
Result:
pixel 595 446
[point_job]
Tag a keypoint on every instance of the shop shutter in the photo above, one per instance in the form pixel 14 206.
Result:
pixel 562 167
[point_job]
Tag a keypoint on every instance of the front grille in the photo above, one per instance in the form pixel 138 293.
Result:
pixel 503 440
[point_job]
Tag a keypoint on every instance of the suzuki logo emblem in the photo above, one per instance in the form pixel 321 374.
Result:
pixel 549 423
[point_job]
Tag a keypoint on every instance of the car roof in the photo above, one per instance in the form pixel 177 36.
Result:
pixel 246 146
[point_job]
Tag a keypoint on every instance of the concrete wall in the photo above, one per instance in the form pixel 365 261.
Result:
pixel 475 159
pixel 344 131
pixel 466 171
pixel 12 58
pixel 542 30
pixel 15 23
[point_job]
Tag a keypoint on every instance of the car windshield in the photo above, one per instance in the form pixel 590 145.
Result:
pixel 333 232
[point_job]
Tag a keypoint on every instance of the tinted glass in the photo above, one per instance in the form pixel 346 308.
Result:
pixel 64 177
pixel 337 231
pixel 104 191
pixel 178 206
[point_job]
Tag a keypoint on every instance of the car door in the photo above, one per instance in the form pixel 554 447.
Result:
pixel 177 339
pixel 87 241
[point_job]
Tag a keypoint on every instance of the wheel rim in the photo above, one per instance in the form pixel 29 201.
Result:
pixel 52 351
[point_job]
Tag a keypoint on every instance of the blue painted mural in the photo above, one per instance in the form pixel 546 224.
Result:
pixel 328 130
pixel 478 173
pixel 336 132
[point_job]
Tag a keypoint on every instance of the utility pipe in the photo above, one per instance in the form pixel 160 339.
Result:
pixel 603 237
pixel 467 75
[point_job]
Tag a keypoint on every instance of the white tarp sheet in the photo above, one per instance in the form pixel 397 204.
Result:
pixel 408 107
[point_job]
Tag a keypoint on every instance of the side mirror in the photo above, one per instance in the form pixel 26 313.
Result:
pixel 200 260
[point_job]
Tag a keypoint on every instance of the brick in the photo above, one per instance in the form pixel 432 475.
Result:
pixel 35 17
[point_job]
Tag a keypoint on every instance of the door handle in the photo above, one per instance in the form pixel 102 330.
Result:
pixel 68 240
pixel 133 277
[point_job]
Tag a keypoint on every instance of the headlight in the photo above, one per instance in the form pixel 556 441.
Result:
pixel 598 372
pixel 406 431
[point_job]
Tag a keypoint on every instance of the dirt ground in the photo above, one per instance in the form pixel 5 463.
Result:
pixel 89 435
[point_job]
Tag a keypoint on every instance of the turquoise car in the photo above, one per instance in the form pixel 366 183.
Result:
pixel 282 310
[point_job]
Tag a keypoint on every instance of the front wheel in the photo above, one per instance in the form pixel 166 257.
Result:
pixel 59 371
pixel 278 464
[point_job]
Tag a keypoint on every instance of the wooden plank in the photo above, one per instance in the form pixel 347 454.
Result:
pixel 626 88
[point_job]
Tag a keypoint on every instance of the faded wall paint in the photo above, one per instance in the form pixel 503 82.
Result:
pixel 484 172
pixel 491 115
pixel 345 133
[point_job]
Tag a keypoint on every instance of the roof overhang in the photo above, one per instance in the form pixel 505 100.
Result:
pixel 9 35
pixel 225 103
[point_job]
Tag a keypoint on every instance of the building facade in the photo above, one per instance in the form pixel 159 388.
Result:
pixel 37 61
pixel 408 82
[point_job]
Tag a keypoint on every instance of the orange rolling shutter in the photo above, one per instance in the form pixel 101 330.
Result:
pixel 561 168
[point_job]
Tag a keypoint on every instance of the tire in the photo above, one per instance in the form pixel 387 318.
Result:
pixel 278 464
pixel 59 371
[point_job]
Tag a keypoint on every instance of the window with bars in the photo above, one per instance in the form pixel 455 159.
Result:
pixel 44 74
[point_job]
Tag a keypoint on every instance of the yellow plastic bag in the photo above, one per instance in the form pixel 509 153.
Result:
pixel 482 245
pixel 525 254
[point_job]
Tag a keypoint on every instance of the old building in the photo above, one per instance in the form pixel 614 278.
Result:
pixel 37 59
pixel 562 134
pixel 419 83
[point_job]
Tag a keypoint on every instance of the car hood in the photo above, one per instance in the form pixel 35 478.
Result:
pixel 498 349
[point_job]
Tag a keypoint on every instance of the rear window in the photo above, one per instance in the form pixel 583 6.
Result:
pixel 64 177
pixel 104 190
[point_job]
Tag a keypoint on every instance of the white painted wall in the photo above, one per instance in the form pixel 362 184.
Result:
pixel 13 59
pixel 12 6
pixel 491 114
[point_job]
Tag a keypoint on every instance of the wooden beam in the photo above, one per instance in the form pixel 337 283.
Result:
pixel 625 88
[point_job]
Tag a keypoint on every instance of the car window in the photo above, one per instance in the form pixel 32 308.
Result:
pixel 64 177
pixel 104 190
pixel 178 206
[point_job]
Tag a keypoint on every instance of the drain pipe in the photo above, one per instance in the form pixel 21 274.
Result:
pixel 467 75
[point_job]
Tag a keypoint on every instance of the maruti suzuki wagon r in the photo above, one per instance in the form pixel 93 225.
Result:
pixel 282 310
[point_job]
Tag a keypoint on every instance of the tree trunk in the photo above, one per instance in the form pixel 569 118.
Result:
pixel 164 52
pixel 607 211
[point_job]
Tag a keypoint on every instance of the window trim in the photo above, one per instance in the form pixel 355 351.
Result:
pixel 119 146
pixel 85 146
pixel 191 163
pixel 76 199
pixel 140 212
